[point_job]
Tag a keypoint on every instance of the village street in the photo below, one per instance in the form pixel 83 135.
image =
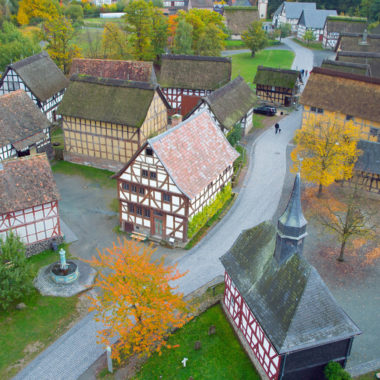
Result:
pixel 259 196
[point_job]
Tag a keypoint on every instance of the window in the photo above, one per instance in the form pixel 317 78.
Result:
pixel 139 210
pixel 13 85
pixel 149 151
pixel 319 110
pixel 153 175
pixel 131 207
pixel 125 186
pixel 146 212
pixel 134 188
pixel 167 197
pixel 145 173
pixel 313 109
pixel 142 190
pixel 349 117
pixel 157 213
pixel 374 131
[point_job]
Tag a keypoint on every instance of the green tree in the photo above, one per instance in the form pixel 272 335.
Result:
pixel 59 34
pixel 15 273
pixel 159 31
pixel 211 41
pixel 75 13
pixel 255 37
pixel 309 36
pixel 183 38
pixel 14 45
pixel 334 371
pixel 285 30
pixel 115 42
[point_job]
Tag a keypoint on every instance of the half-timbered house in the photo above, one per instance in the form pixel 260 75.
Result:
pixel 105 121
pixel 136 71
pixel 336 25
pixel 289 13
pixel 173 177
pixel 230 105
pixel 24 129
pixel 345 97
pixel 238 19
pixel 29 202
pixel 40 78
pixel 278 86
pixel 313 20
pixel 184 79
pixel 279 305
pixel 173 6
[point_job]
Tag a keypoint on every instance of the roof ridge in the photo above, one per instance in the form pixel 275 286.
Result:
pixel 28 60
pixel 178 57
pixel 24 158
pixel 348 53
pixel 349 64
pixel 268 68
pixel 357 77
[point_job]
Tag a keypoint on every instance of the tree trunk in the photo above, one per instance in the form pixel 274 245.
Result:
pixel 320 190
pixel 252 54
pixel 340 258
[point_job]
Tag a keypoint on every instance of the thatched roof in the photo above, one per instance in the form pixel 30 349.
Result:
pixel 347 67
pixel 231 102
pixel 193 72
pixel 354 42
pixel 107 68
pixel 20 119
pixel 271 76
pixel 344 24
pixel 26 182
pixel 347 93
pixel 108 100
pixel 239 18
pixel 41 75
pixel 372 59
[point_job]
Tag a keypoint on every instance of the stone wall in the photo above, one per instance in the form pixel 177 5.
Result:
pixel 96 162
pixel 38 247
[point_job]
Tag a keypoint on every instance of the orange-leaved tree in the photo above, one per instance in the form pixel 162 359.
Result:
pixel 325 150
pixel 137 303
pixel 37 9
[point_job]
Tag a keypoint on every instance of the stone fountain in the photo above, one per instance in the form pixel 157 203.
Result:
pixel 63 272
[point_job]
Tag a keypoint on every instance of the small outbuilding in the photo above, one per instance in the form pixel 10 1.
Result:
pixel 278 86
pixel 238 19
pixel 279 305
pixel 29 202
pixel 40 78
pixel 24 129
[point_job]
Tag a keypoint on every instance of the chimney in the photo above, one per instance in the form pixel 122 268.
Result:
pixel 176 119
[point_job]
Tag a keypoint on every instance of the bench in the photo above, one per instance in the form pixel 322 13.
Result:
pixel 138 236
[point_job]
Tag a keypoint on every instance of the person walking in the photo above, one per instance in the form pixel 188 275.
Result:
pixel 277 128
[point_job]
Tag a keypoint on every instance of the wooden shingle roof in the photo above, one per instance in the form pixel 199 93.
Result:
pixel 20 118
pixel 26 182
pixel 271 76
pixel 41 75
pixel 239 18
pixel 231 102
pixel 325 89
pixel 193 72
pixel 194 153
pixel 108 100
pixel 106 68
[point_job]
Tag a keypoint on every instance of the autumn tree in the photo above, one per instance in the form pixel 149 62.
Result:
pixel 255 37
pixel 211 41
pixel 325 150
pixel 309 36
pixel 183 41
pixel 159 38
pixel 37 9
pixel 115 42
pixel 137 303
pixel 59 33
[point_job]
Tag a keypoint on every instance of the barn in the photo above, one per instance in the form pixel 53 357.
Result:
pixel 29 202
pixel 279 305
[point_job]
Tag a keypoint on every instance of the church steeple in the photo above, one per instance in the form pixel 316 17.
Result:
pixel 291 226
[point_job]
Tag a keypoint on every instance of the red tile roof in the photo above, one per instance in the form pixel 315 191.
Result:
pixel 194 153
pixel 105 68
pixel 26 182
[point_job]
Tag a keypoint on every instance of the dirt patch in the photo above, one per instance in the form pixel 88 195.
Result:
pixel 33 347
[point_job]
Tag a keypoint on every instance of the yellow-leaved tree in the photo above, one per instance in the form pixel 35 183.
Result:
pixel 325 150
pixel 137 303
pixel 38 9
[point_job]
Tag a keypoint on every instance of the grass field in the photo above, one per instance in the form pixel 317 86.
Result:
pixel 89 41
pixel 246 66
pixel 100 22
pixel 312 45
pixel 25 333
pixel 220 357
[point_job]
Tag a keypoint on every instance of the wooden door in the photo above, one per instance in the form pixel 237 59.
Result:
pixel 158 226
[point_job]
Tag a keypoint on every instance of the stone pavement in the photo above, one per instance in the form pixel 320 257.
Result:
pixel 69 356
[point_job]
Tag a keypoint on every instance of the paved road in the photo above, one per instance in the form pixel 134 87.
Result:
pixel 75 351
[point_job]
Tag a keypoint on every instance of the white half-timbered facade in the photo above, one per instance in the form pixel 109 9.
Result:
pixel 164 184
pixel 24 129
pixel 31 209
pixel 40 78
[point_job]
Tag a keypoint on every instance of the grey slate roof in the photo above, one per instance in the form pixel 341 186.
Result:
pixel 231 102
pixel 294 10
pixel 315 18
pixel 20 119
pixel 41 75
pixel 369 160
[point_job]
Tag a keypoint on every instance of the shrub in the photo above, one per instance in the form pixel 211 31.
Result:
pixel 15 273
pixel 235 134
pixel 334 371
pixel 200 219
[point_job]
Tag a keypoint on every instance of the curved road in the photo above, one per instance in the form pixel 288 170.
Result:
pixel 74 352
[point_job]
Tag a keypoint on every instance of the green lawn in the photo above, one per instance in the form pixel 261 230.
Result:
pixel 221 355
pixel 257 121
pixel 234 44
pixel 246 66
pixel 89 40
pixel 102 177
pixel 57 137
pixel 25 333
pixel 98 22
